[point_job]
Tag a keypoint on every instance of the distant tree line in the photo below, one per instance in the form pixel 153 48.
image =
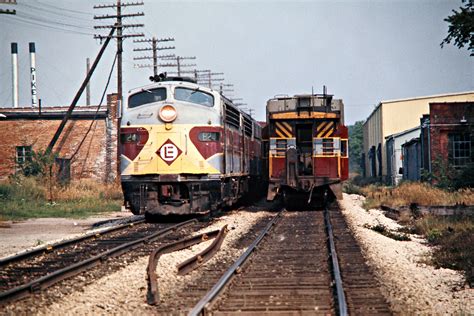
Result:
pixel 356 146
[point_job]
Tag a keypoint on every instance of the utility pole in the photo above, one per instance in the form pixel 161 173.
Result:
pixel 154 48
pixel 225 87
pixel 178 63
pixel 206 77
pixel 119 26
pixel 88 87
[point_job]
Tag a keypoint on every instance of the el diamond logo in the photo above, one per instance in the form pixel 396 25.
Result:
pixel 169 152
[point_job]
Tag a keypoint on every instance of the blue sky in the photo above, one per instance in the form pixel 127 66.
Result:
pixel 363 51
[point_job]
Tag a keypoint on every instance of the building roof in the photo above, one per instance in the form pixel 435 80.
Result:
pixel 403 133
pixel 52 113
pixel 417 98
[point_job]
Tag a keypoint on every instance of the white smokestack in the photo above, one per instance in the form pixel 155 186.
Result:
pixel 15 74
pixel 34 96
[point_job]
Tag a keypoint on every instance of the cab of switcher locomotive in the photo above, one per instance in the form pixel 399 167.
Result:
pixel 308 147
pixel 173 149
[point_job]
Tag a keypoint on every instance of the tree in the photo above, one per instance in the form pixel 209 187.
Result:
pixel 355 145
pixel 461 27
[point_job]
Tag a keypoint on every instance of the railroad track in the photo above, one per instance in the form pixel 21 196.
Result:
pixel 38 251
pixel 29 273
pixel 287 270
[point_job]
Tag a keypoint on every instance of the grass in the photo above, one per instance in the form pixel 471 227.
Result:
pixel 414 193
pixel 28 197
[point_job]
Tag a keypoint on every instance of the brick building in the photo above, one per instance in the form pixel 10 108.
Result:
pixel 447 135
pixel 87 147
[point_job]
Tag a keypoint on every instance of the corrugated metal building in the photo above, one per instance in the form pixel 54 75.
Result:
pixel 395 116
pixel 395 154
pixel 412 160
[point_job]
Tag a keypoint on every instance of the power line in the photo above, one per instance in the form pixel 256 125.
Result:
pixel 53 12
pixel 64 9
pixel 22 20
pixel 39 19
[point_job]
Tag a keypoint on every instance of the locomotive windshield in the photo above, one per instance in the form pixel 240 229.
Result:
pixel 194 96
pixel 147 96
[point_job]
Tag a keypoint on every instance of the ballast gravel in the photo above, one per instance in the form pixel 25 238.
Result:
pixel 124 291
pixel 410 285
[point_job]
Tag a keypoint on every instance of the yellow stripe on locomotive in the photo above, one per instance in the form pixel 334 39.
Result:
pixel 167 152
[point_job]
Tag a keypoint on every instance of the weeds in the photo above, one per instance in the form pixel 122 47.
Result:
pixel 453 237
pixel 384 230
pixel 350 188
pixel 28 197
pixel 415 193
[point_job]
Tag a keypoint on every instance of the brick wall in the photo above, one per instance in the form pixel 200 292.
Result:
pixel 445 118
pixel 92 154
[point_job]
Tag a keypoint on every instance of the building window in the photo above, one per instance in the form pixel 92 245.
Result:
pixel 459 149
pixel 23 154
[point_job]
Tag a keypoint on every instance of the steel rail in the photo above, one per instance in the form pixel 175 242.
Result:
pixel 341 297
pixel 64 243
pixel 204 256
pixel 59 275
pixel 201 305
pixel 153 295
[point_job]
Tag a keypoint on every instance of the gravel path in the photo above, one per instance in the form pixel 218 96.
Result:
pixel 410 286
pixel 18 236
pixel 124 292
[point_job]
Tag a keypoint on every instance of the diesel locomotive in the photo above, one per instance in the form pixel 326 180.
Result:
pixel 186 149
pixel 307 148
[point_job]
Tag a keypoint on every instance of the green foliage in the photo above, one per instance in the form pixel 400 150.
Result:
pixel 356 145
pixel 464 177
pixel 39 164
pixel 461 27
pixel 350 188
pixel 446 176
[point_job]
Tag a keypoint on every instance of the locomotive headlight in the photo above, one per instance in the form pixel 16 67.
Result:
pixel 168 113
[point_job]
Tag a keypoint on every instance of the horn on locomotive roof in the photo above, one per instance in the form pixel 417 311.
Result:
pixel 158 78
pixel 164 77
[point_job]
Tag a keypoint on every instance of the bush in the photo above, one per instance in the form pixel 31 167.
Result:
pixel 350 188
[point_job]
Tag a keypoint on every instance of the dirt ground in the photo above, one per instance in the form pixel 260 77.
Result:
pixel 17 236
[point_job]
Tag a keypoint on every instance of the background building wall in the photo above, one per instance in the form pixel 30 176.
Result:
pixel 397 153
pixel 396 116
pixel 90 142
pixel 445 118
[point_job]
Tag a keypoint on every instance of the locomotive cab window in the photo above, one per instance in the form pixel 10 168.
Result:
pixel 147 96
pixel 344 148
pixel 194 96
pixel 324 146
